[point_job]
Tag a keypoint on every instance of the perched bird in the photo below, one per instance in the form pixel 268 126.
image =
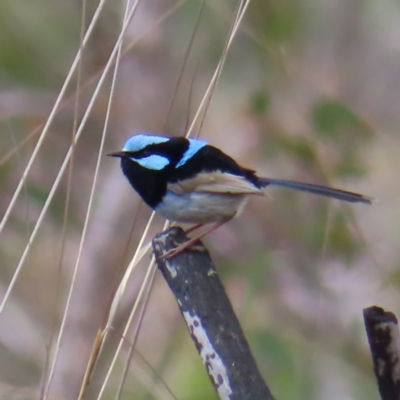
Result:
pixel 190 181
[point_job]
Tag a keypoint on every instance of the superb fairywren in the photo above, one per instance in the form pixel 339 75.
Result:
pixel 189 181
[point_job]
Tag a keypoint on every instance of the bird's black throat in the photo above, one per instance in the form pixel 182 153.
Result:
pixel 151 185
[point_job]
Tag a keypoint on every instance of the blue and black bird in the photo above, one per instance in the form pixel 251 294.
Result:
pixel 190 181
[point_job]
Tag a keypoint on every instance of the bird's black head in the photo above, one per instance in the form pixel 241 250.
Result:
pixel 148 162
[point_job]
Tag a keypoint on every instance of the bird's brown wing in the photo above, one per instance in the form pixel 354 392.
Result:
pixel 215 182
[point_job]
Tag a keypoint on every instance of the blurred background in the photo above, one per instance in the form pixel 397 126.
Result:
pixel 310 91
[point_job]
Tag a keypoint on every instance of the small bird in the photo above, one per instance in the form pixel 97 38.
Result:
pixel 190 181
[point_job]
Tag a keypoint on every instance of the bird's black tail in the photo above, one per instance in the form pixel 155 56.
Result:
pixel 317 189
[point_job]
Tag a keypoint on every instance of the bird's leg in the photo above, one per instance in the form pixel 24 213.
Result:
pixel 193 228
pixel 192 241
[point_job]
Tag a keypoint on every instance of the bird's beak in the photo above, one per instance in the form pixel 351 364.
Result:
pixel 119 154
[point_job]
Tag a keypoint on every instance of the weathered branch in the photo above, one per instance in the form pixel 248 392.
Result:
pixel 384 341
pixel 211 321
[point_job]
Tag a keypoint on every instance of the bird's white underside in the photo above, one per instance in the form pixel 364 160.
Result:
pixel 200 208
pixel 208 197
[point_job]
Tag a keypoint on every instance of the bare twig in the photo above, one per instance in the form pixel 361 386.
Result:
pixel 384 341
pixel 210 318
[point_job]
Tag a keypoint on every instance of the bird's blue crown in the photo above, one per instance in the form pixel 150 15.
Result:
pixel 140 141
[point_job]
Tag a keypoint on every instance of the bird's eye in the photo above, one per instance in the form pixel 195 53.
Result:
pixel 143 153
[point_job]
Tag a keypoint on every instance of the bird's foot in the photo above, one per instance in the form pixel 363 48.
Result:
pixel 188 245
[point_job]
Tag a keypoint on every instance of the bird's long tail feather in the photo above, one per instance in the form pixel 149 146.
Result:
pixel 317 189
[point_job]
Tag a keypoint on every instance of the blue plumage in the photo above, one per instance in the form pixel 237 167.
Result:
pixel 141 140
pixel 194 146
pixel 152 162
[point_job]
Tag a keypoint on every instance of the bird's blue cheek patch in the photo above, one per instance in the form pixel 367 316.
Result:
pixel 154 162
pixel 194 146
